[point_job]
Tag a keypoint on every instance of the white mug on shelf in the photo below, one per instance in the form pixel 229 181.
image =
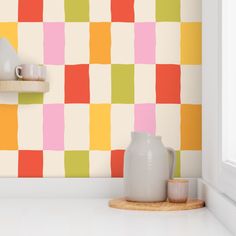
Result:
pixel 31 72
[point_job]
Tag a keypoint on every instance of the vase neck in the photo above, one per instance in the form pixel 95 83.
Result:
pixel 142 136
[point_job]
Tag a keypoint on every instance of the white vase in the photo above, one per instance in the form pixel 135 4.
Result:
pixel 148 166
pixel 8 60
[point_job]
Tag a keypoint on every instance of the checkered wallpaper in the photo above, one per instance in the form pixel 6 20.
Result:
pixel 114 66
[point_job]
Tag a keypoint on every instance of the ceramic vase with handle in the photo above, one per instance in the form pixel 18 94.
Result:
pixel 148 166
pixel 8 60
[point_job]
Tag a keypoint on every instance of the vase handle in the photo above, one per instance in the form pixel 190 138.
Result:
pixel 172 161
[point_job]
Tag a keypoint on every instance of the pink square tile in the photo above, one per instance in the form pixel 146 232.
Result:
pixel 145 118
pixel 54 43
pixel 53 127
pixel 145 43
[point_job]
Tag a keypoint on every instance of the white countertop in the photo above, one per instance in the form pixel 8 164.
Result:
pixel 87 217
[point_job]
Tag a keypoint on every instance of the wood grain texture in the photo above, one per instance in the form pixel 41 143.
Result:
pixel 121 203
pixel 24 86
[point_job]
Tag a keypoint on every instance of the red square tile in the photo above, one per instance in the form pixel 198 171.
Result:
pixel 168 84
pixel 77 84
pixel 30 164
pixel 30 11
pixel 117 163
pixel 122 10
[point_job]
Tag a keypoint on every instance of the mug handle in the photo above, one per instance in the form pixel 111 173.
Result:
pixel 18 70
pixel 172 161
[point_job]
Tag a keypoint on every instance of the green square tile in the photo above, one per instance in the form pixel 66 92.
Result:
pixel 177 165
pixel 77 10
pixel 30 98
pixel 122 83
pixel 167 10
pixel 76 163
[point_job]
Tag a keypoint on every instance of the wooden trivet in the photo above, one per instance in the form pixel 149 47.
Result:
pixel 121 203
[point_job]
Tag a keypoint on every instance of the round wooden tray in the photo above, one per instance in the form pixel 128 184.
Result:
pixel 121 203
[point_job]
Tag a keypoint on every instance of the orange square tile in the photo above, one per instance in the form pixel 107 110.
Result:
pixel 100 43
pixel 191 127
pixel 8 127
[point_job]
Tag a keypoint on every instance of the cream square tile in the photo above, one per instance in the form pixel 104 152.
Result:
pixel 30 127
pixel 191 164
pixel 53 11
pixel 100 11
pixel 8 98
pixel 76 126
pixel 9 11
pixel 76 43
pixel 8 164
pixel 122 124
pixel 55 76
pixel 191 84
pixel 30 42
pixel 145 11
pixel 168 124
pixel 191 10
pixel 122 47
pixel 145 83
pixel 168 43
pixel 99 164
pixel 53 164
pixel 100 83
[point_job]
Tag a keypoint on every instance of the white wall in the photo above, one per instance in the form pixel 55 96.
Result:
pixel 210 90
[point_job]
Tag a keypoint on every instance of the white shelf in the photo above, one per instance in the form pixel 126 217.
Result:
pixel 24 86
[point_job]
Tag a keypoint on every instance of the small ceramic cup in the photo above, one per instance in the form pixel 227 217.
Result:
pixel 31 72
pixel 177 190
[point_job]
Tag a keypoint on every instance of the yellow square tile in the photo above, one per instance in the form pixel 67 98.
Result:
pixel 100 126
pixel 10 32
pixel 8 127
pixel 191 43
pixel 191 127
